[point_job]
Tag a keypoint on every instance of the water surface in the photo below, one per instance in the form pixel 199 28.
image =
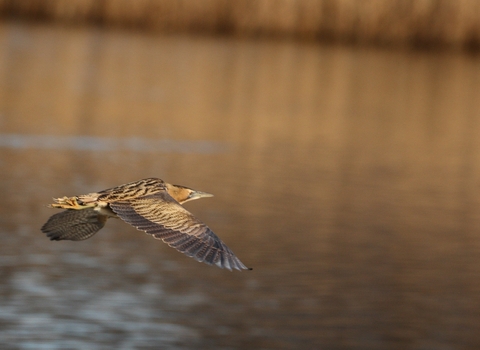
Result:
pixel 348 179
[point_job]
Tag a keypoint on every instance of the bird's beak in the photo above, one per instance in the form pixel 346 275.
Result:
pixel 199 194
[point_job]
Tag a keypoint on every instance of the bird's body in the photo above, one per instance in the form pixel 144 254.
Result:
pixel 151 205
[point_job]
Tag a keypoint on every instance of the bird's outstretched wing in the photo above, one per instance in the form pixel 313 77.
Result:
pixel 73 225
pixel 164 218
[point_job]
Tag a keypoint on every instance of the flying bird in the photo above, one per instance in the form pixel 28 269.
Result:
pixel 150 205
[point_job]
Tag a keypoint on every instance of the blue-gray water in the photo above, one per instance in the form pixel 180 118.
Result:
pixel 348 178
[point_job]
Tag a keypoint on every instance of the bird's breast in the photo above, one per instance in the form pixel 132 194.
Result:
pixel 104 209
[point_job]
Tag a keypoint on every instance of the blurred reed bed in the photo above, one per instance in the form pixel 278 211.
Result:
pixel 411 23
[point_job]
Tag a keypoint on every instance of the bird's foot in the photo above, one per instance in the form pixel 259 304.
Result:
pixel 67 203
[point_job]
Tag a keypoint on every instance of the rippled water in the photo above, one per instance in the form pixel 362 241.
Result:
pixel 348 179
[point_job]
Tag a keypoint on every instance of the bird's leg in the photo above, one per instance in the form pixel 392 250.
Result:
pixel 69 203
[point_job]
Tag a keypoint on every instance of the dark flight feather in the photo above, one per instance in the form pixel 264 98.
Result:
pixel 73 225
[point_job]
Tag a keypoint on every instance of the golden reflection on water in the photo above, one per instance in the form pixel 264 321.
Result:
pixel 347 177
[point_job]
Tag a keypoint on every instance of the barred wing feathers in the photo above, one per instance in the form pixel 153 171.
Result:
pixel 73 225
pixel 164 218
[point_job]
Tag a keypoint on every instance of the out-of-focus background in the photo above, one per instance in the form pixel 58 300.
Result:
pixel 341 140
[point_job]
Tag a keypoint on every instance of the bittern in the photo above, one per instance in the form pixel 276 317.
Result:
pixel 150 205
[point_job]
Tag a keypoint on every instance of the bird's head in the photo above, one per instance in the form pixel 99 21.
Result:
pixel 184 194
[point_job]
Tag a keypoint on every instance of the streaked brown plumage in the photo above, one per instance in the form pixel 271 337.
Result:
pixel 150 205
